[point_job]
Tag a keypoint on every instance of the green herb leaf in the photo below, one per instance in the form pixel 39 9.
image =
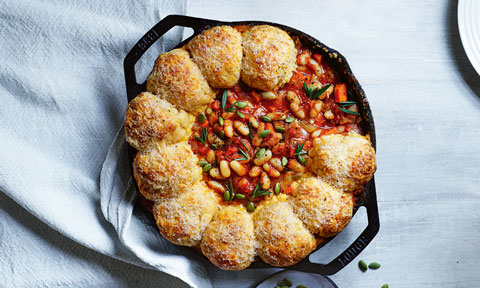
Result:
pixel 203 137
pixel 348 111
pixel 317 92
pixel 233 107
pixel 298 150
pixel 229 193
pixel 347 103
pixel 258 191
pixel 250 128
pixel 224 99
pixel 241 152
pixel 307 90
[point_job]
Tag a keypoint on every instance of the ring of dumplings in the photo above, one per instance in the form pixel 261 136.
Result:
pixel 247 145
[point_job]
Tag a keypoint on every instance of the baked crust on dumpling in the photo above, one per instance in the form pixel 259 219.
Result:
pixel 182 219
pixel 176 78
pixel 165 170
pixel 345 161
pixel 283 240
pixel 323 209
pixel 150 119
pixel 229 240
pixel 218 54
pixel 269 57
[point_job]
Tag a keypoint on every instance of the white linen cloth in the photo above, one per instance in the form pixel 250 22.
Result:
pixel 62 105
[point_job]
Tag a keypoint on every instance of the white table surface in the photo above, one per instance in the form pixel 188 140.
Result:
pixel 425 98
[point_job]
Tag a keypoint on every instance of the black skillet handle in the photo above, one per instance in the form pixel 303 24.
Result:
pixel 162 27
pixel 353 250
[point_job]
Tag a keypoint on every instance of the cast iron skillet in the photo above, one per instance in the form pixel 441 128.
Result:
pixel 338 63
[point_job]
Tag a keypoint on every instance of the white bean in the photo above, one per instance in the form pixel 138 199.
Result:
pixel 329 115
pixel 254 171
pixel 228 129
pixel 215 173
pixel 259 161
pixel 268 95
pixel 241 128
pixel 216 186
pixel 238 168
pixel 224 169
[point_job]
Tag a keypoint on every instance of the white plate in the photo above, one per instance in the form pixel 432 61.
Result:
pixel 468 15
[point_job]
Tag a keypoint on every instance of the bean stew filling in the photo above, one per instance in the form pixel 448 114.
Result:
pixel 253 143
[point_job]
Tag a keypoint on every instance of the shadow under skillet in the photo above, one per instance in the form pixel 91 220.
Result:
pixel 463 65
pixel 57 249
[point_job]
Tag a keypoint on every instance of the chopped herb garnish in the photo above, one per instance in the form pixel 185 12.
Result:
pixel 203 137
pixel 250 128
pixel 230 191
pixel 315 93
pixel 348 111
pixel 257 192
pixel 347 103
pixel 234 106
pixel 246 148
pixel 245 155
pixel 298 150
pixel 224 99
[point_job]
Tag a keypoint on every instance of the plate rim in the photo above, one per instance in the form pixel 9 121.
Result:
pixel 465 28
